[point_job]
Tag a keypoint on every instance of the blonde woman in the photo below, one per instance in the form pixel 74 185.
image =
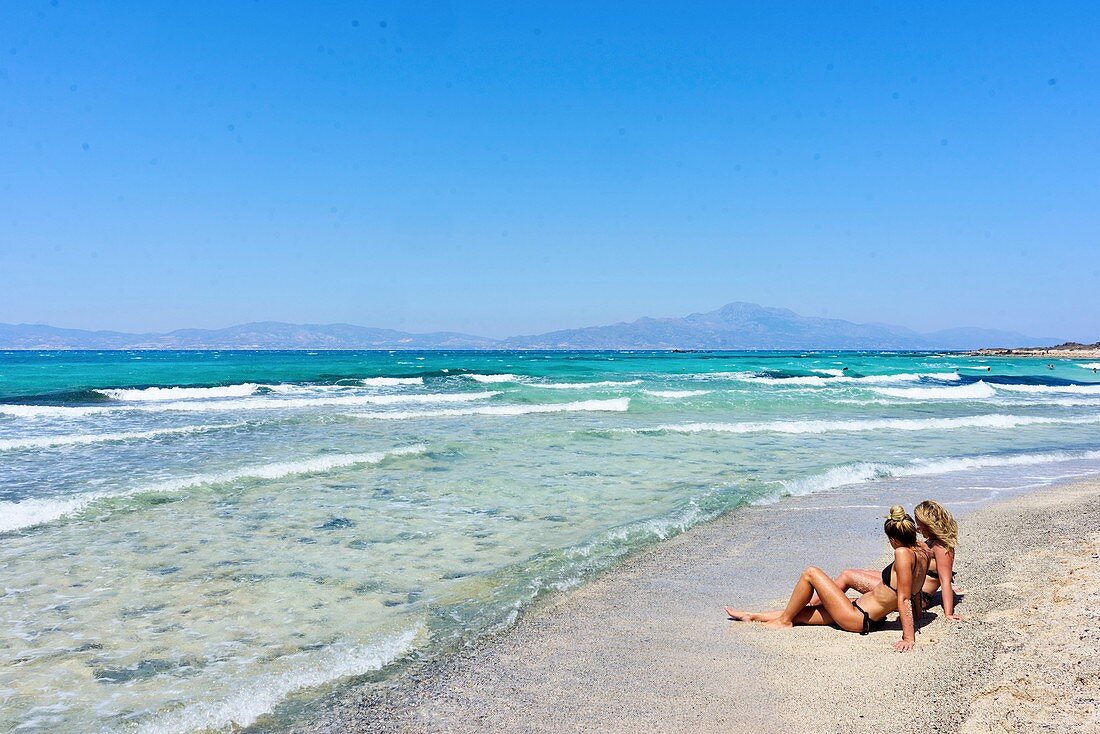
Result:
pixel 936 523
pixel 941 532
pixel 897 591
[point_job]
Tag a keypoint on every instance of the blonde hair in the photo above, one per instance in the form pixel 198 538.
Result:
pixel 940 521
pixel 900 526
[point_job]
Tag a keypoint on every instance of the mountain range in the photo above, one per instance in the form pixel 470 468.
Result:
pixel 735 326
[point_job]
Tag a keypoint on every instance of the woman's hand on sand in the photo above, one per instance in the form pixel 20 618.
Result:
pixel 903 646
pixel 955 617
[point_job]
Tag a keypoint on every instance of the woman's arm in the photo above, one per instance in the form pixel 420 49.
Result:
pixel 945 561
pixel 903 566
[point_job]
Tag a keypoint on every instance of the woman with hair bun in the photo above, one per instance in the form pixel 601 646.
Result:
pixel 897 591
pixel 936 523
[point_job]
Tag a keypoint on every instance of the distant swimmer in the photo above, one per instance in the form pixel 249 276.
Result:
pixel 1050 366
pixel 988 369
pixel 846 369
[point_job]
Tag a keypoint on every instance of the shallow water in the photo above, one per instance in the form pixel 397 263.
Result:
pixel 190 540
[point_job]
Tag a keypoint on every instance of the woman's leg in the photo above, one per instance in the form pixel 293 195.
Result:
pixel 860 579
pixel 835 605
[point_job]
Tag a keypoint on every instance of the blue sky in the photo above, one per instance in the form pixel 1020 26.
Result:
pixel 504 168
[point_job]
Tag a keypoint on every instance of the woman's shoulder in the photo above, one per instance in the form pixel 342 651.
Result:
pixel 904 554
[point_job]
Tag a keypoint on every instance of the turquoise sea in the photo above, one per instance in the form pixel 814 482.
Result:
pixel 202 541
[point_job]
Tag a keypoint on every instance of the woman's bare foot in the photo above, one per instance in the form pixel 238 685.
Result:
pixel 738 615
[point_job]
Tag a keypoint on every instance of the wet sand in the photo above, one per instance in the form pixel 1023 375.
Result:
pixel 647 647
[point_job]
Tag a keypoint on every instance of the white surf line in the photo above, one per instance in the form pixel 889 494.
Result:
pixel 675 393
pixel 975 391
pixel 996 421
pixel 30 512
pixel 584 385
pixel 254 403
pixel 490 379
pixel 833 379
pixel 252 699
pixel 390 381
pixel 41 442
pixel 859 473
pixel 1048 389
pixel 614 405
pixel 180 393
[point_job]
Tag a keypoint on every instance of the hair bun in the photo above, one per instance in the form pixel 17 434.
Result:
pixel 897 513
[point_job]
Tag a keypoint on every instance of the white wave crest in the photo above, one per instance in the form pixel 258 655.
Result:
pixel 585 385
pixel 675 393
pixel 254 403
pixel 181 393
pixel 1090 365
pixel 48 411
pixel 847 474
pixel 994 421
pixel 254 698
pixel 31 512
pixel 493 378
pixel 1049 389
pixel 615 405
pixel 41 442
pixel 974 391
pixel 827 377
pixel 391 381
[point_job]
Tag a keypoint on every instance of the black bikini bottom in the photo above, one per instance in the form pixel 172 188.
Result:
pixel 869 625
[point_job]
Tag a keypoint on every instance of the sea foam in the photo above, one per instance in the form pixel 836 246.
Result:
pixel 585 385
pixel 254 403
pixel 995 421
pixel 615 405
pixel 180 393
pixel 40 442
pixel 675 393
pixel 975 391
pixel 31 512
pixel 859 473
pixel 252 699
pixel 391 381
pixel 492 378
pixel 1052 389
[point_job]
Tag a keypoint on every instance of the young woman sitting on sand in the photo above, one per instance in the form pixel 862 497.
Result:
pixel 897 590
pixel 936 523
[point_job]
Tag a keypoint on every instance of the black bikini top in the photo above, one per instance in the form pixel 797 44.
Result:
pixel 886 573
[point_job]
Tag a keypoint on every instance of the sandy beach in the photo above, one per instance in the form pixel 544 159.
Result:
pixel 647 648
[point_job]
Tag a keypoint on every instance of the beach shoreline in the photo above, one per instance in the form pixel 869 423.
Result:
pixel 1058 352
pixel 645 646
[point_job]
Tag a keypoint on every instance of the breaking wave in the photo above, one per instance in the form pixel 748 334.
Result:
pixel 31 512
pixel 256 403
pixel 41 442
pixel 974 391
pixel 585 385
pixel 616 405
pixel 859 473
pixel 253 699
pixel 180 393
pixel 675 393
pixel 892 424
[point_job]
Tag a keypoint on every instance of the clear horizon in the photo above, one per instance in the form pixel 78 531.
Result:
pixel 499 170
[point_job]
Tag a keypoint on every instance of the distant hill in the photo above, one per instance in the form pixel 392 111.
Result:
pixel 749 326
pixel 735 326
